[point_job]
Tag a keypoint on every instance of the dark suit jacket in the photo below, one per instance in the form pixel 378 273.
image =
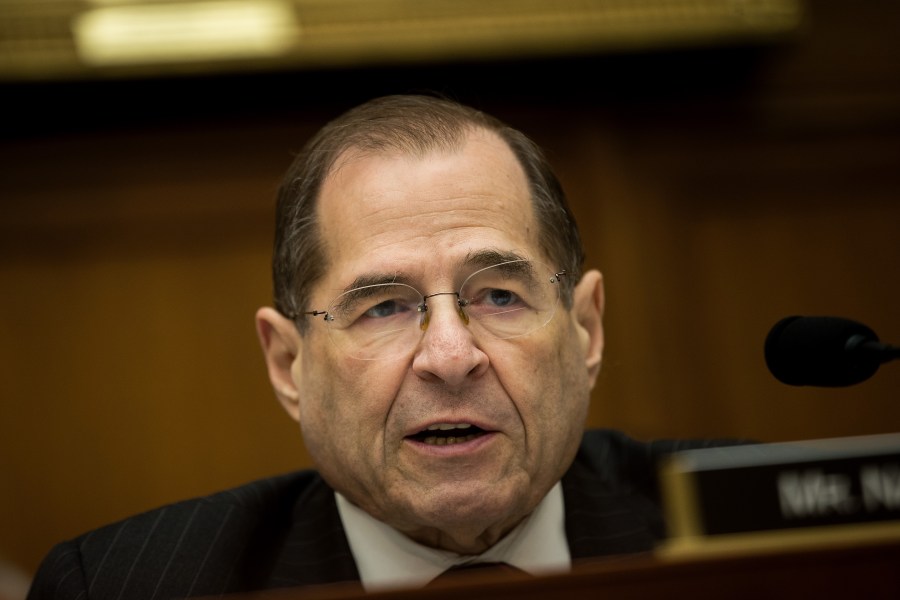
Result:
pixel 285 531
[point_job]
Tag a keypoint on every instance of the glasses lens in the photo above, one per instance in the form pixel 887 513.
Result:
pixel 507 300
pixel 512 298
pixel 375 321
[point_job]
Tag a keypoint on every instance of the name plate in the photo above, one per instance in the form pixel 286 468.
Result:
pixel 784 487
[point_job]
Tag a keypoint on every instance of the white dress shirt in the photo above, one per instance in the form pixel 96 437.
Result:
pixel 388 559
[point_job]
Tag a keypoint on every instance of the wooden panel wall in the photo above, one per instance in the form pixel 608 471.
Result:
pixel 718 191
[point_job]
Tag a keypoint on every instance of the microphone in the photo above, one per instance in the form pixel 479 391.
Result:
pixel 824 351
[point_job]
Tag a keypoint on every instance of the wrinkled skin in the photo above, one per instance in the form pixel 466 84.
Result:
pixel 422 216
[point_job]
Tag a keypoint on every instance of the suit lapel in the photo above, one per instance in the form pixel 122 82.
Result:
pixel 603 518
pixel 315 550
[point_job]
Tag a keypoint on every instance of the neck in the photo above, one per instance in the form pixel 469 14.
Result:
pixel 462 541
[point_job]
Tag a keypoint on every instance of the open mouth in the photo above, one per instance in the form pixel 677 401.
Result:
pixel 446 434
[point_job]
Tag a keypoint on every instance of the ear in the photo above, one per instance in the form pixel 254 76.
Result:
pixel 280 343
pixel 587 309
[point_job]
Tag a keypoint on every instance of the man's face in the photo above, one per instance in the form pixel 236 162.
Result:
pixel 421 218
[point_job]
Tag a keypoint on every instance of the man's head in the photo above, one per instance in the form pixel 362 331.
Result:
pixel 450 424
pixel 411 125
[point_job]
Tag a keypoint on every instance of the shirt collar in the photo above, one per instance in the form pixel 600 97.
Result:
pixel 387 559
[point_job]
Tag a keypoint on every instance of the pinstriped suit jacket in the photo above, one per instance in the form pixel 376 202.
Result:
pixel 286 531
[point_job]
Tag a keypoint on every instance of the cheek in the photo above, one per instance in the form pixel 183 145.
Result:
pixel 574 393
pixel 344 403
pixel 553 399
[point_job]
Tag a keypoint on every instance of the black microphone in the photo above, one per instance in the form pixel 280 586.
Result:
pixel 824 351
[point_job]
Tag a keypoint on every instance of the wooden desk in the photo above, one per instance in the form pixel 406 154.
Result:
pixel 867 570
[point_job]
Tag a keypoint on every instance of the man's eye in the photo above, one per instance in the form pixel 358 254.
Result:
pixel 500 298
pixel 385 309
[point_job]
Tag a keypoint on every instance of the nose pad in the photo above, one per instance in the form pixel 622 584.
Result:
pixel 426 313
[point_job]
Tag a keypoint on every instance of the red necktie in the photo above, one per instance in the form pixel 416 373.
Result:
pixel 457 571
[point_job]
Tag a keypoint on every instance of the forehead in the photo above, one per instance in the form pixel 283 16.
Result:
pixel 418 213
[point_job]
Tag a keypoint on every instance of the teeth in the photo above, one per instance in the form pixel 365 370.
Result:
pixel 447 441
pixel 446 426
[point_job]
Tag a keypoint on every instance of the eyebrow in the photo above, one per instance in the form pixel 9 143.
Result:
pixel 370 279
pixel 490 257
pixel 475 260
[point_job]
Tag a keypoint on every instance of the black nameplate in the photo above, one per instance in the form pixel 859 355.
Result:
pixel 765 487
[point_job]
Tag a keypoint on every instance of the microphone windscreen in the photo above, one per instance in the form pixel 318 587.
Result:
pixel 814 351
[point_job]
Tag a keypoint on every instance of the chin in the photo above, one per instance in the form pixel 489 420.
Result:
pixel 480 506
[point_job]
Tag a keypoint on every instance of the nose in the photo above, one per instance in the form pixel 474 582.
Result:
pixel 447 351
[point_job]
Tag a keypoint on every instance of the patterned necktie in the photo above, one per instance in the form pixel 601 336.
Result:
pixel 457 571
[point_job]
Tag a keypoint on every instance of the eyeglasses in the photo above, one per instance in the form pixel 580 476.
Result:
pixel 507 300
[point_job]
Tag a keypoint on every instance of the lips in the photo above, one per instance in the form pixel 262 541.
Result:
pixel 447 434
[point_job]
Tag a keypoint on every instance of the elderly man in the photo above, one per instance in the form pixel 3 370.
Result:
pixel 435 338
